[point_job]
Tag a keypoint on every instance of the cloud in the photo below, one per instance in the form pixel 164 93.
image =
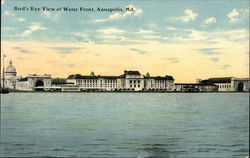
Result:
pixel 214 59
pixel 142 31
pixel 19 58
pixel 136 12
pixel 70 65
pixel 208 51
pixel 210 20
pixel 224 67
pixel 191 35
pixel 51 15
pixel 8 13
pixel 172 60
pixel 111 30
pixel 189 16
pixel 34 27
pixel 81 37
pixel 21 50
pixel 20 19
pixel 152 37
pixel 97 55
pixel 233 16
pixel 7 28
pixel 142 52
pixel 64 50
pixel 115 16
pixel 171 28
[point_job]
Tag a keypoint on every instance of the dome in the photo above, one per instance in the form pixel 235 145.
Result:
pixel 11 68
pixel 92 74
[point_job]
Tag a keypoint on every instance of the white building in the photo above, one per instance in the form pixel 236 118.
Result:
pixel 229 84
pixel 129 81
pixel 29 83
pixel 159 83
pixel 34 82
pixel 10 77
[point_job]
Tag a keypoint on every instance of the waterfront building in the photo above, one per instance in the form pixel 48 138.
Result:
pixel 229 84
pixel 159 83
pixel 187 87
pixel 132 80
pixel 10 77
pixel 128 81
pixel 34 82
pixel 29 83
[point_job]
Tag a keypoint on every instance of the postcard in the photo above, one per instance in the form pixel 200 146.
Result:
pixel 129 78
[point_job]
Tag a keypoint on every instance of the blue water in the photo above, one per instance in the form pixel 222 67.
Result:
pixel 125 124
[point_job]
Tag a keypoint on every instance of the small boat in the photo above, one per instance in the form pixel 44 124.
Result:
pixel 4 90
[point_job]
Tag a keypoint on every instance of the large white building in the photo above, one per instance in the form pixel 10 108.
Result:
pixel 129 81
pixel 32 82
pixel 229 84
pixel 10 77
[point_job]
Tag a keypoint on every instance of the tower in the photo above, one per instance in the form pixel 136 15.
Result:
pixel 10 76
pixel 10 71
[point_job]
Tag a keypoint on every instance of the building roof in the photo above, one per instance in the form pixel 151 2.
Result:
pixel 131 72
pixel 59 81
pixel 109 77
pixel 24 79
pixel 10 68
pixel 193 84
pixel 160 78
pixel 217 80
pixel 78 76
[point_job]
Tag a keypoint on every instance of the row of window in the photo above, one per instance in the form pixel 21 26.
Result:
pixel 134 81
pixel 225 86
pixel 95 85
pixel 159 81
pixel 131 86
pixel 95 81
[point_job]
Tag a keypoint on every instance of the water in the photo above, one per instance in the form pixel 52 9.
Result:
pixel 125 124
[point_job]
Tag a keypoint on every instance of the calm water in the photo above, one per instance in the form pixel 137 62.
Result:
pixel 125 124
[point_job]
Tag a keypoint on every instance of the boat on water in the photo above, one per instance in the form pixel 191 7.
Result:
pixel 4 90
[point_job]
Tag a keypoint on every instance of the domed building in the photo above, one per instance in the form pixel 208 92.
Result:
pixel 10 71
pixel 30 83
pixel 10 76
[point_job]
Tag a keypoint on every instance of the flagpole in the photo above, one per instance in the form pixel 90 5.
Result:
pixel 4 56
pixel 1 71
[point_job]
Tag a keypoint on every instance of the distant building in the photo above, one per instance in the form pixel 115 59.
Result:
pixel 159 83
pixel 129 81
pixel 195 87
pixel 29 83
pixel 229 84
pixel 187 87
pixel 34 82
pixel 11 77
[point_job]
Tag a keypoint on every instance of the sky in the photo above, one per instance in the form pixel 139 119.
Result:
pixel 187 39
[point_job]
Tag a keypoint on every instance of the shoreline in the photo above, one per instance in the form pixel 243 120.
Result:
pixel 122 92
